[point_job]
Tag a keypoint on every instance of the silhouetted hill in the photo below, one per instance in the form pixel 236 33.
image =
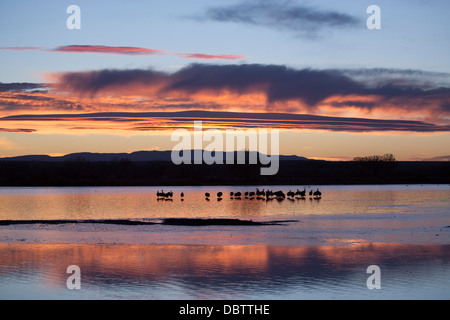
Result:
pixel 76 170
pixel 134 156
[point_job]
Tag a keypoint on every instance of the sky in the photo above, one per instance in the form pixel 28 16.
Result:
pixel 135 71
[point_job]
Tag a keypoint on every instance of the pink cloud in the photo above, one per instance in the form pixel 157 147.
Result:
pixel 106 49
pixel 204 56
pixel 21 48
pixel 123 50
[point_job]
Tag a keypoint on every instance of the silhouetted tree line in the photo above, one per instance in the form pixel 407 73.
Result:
pixel 388 157
pixel 376 165
pixel 159 173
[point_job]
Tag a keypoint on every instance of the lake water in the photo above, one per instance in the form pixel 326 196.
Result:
pixel 321 251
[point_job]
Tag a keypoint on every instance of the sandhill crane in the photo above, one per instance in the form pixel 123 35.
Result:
pixel 163 194
pixel 279 194
pixel 301 193
pixel 317 193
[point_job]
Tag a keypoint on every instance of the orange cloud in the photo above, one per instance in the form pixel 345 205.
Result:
pixel 222 96
pixel 16 130
pixel 151 121
pixel 263 88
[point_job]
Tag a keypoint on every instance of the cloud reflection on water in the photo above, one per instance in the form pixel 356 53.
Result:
pixel 228 271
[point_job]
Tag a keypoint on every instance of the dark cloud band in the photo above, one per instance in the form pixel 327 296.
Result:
pixel 142 121
pixel 278 83
pixel 280 15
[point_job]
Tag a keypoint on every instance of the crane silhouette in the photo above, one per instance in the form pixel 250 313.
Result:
pixel 317 193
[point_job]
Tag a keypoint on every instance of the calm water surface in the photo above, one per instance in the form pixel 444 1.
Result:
pixel 141 202
pixel 38 271
pixel 405 230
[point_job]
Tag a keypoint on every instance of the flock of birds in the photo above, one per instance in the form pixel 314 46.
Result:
pixel 258 194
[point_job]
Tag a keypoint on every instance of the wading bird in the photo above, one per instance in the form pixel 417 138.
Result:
pixel 317 193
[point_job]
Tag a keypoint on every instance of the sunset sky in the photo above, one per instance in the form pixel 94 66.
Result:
pixel 137 70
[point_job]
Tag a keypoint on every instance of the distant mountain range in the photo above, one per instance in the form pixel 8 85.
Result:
pixel 134 156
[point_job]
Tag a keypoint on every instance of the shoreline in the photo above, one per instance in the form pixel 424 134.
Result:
pixel 157 173
pixel 294 235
